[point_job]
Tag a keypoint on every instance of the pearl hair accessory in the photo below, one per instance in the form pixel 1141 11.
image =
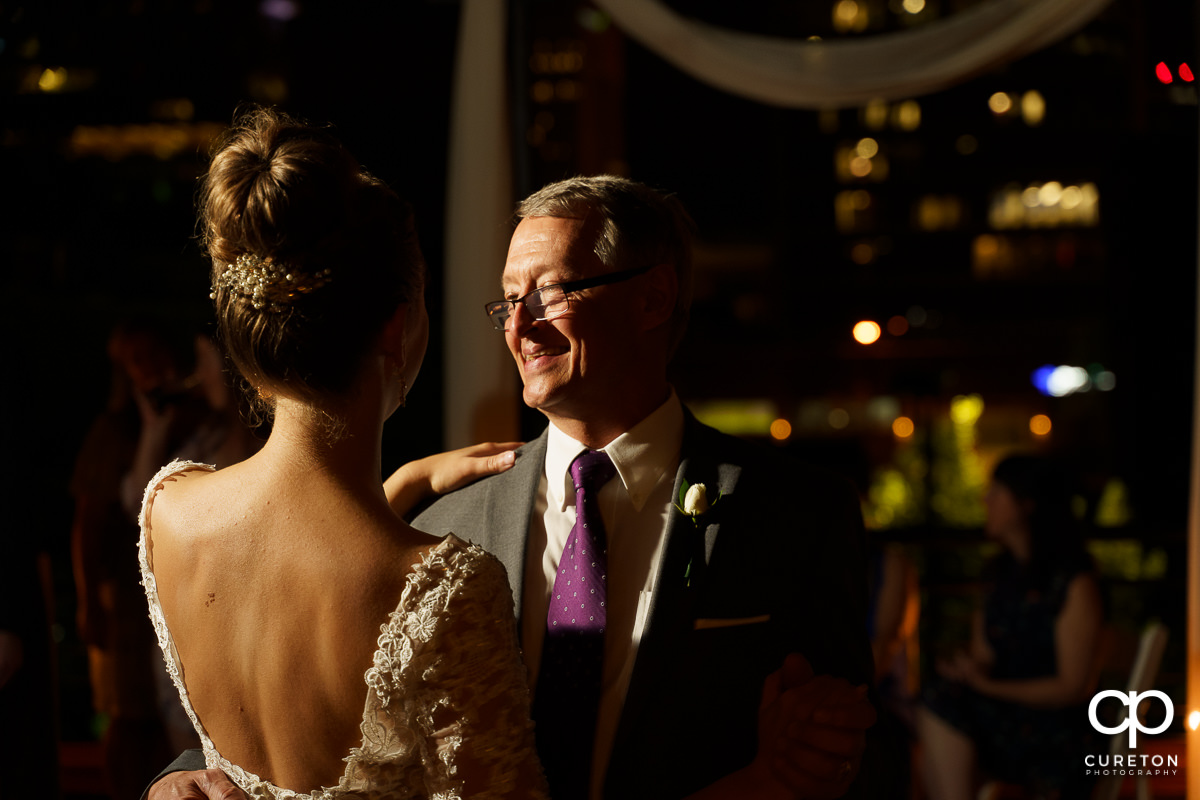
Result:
pixel 267 284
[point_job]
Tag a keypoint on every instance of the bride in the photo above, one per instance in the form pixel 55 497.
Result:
pixel 321 646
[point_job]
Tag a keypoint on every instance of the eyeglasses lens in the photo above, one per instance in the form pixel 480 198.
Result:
pixel 545 303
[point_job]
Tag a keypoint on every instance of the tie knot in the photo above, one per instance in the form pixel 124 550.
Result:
pixel 592 469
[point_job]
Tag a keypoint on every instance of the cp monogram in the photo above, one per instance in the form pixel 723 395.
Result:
pixel 1132 700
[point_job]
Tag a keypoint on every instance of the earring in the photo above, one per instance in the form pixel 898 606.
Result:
pixel 398 374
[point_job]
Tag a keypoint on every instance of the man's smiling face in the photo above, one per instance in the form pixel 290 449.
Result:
pixel 571 365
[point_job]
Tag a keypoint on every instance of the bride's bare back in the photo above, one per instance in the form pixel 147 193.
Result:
pixel 275 594
pixel 269 581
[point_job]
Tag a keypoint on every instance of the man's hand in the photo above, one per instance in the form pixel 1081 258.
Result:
pixel 812 730
pixel 206 783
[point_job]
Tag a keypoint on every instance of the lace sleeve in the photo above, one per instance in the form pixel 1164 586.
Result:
pixel 479 728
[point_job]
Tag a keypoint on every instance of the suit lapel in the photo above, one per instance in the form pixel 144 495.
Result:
pixel 509 506
pixel 671 614
pixel 700 462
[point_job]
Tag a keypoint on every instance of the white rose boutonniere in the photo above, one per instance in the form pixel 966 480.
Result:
pixel 694 503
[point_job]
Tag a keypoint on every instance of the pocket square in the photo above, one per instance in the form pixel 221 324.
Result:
pixel 731 622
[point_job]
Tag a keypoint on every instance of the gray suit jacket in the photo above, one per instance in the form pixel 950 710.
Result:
pixel 784 543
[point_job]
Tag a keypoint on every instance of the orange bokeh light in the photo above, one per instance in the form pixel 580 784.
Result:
pixel 903 427
pixel 867 332
pixel 897 326
pixel 781 429
pixel 1039 425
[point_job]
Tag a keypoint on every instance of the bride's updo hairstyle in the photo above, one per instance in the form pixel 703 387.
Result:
pixel 311 255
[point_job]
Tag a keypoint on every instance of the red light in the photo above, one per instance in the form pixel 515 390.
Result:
pixel 1185 72
pixel 1163 72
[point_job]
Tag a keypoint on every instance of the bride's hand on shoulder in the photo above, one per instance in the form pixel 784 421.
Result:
pixel 444 472
pixel 205 784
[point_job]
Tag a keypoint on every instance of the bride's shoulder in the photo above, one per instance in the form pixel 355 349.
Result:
pixel 163 492
pixel 184 498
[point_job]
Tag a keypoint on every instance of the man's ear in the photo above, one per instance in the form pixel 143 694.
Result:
pixel 392 338
pixel 659 295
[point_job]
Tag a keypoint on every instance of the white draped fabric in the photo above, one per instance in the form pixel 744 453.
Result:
pixel 832 74
pixel 481 402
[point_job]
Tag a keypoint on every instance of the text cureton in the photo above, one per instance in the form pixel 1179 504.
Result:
pixel 1130 760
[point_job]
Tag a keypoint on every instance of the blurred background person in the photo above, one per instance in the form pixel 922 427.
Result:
pixel 111 615
pixel 196 416
pixel 1014 703
pixel 892 625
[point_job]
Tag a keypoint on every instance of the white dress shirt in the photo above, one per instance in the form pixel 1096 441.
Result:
pixel 635 507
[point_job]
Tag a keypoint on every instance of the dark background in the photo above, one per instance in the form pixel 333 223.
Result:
pixel 90 233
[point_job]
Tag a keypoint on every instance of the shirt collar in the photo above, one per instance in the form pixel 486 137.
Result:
pixel 642 455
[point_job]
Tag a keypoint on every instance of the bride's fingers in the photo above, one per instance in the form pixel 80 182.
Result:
pixel 490 448
pixel 456 468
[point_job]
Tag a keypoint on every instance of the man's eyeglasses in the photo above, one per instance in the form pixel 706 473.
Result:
pixel 552 301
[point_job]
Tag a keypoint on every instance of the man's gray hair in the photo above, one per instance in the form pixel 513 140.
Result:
pixel 640 227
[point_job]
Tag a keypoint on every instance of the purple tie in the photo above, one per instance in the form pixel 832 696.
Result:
pixel 568 688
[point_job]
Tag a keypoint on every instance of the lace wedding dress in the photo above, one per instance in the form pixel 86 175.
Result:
pixel 440 649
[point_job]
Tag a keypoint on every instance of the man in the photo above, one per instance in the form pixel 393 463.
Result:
pixel 694 688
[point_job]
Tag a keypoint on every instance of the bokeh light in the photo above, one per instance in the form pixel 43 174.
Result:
pixel 875 114
pixel 1067 380
pixel 903 427
pixel 279 10
pixel 897 325
pixel 849 16
pixel 53 79
pixel 1163 72
pixel 860 167
pixel 867 332
pixel 1000 103
pixel 1041 378
pixel 1050 193
pixel 1039 425
pixel 965 409
pixel 907 115
pixel 862 253
pixel 1033 108
pixel 839 418
pixel 781 429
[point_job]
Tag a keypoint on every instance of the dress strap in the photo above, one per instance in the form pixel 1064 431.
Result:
pixel 165 642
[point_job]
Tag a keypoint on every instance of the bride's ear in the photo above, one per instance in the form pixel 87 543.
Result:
pixel 392 339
